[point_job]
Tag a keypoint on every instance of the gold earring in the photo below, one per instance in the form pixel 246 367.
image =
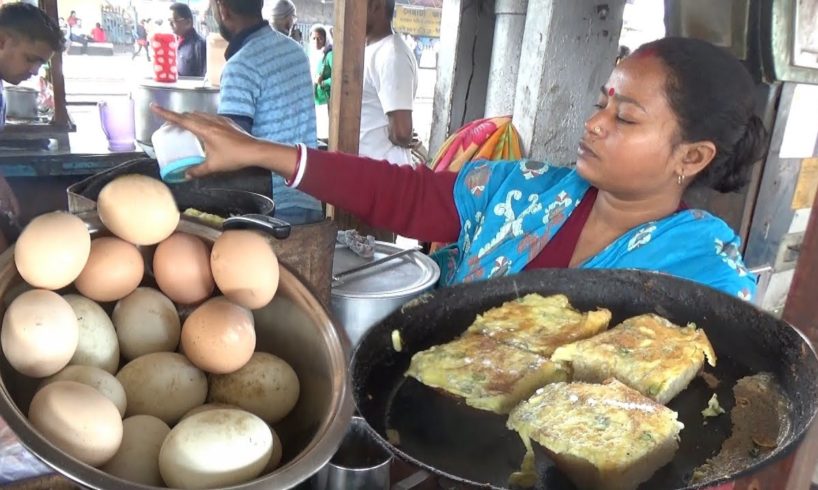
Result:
pixel 680 179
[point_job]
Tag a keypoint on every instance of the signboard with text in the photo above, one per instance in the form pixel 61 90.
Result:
pixel 417 21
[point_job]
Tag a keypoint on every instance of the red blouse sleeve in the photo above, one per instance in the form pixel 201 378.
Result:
pixel 416 203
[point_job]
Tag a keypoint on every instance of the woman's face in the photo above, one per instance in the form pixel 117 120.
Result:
pixel 628 144
pixel 318 40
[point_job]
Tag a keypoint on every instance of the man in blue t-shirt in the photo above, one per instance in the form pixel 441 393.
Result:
pixel 266 88
pixel 28 39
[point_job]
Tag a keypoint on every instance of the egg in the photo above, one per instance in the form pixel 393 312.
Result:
pixel 206 407
pixel 52 250
pixel 215 449
pixel 40 333
pixel 146 321
pixel 102 381
pixel 266 386
pixel 98 345
pixel 278 452
pixel 245 268
pixel 77 419
pixel 139 209
pixel 114 269
pixel 163 384
pixel 137 459
pixel 181 266
pixel 219 336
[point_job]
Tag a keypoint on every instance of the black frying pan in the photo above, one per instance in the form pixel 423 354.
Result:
pixel 470 446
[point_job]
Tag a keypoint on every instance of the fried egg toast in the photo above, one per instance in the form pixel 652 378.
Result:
pixel 647 352
pixel 539 324
pixel 486 374
pixel 602 436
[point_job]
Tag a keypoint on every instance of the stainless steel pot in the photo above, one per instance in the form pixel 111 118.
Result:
pixel 361 300
pixel 294 326
pixel 21 102
pixel 186 94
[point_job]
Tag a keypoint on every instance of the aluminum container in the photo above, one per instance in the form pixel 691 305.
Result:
pixel 361 300
pixel 185 95
pixel 294 326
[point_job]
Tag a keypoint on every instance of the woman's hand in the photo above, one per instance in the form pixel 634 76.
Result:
pixel 227 146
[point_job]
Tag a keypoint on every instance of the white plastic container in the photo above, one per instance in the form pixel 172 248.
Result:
pixel 176 150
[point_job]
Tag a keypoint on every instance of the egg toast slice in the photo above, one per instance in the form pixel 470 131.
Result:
pixel 486 374
pixel 601 436
pixel 647 352
pixel 539 324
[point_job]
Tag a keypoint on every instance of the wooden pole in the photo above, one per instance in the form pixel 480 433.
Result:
pixel 61 119
pixel 345 101
pixel 801 311
pixel 347 87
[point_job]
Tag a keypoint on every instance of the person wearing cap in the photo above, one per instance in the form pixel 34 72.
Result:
pixel 267 90
pixel 191 59
pixel 284 17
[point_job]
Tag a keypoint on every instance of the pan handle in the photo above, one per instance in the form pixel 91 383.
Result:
pixel 276 227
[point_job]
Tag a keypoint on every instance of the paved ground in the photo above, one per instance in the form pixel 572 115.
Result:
pixel 91 78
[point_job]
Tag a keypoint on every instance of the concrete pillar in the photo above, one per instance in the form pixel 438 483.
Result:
pixel 466 37
pixel 509 27
pixel 569 49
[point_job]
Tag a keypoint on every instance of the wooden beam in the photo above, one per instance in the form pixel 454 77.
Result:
pixel 345 101
pixel 61 119
pixel 347 75
pixel 347 88
pixel 801 309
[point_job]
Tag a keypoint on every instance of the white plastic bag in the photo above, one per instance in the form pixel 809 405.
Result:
pixel 16 462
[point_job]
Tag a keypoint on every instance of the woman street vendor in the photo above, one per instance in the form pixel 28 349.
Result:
pixel 675 113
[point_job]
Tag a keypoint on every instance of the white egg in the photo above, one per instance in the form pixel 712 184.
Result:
pixel 215 449
pixel 266 386
pixel 102 381
pixel 98 345
pixel 137 459
pixel 146 321
pixel 163 384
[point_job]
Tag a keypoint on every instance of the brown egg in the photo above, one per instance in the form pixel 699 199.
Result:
pixel 40 333
pixel 114 269
pixel 245 268
pixel 138 209
pixel 181 266
pixel 219 337
pixel 52 250
pixel 77 419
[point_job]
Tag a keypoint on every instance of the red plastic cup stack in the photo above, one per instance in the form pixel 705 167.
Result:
pixel 164 57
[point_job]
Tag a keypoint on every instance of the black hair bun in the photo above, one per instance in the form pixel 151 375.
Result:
pixel 733 172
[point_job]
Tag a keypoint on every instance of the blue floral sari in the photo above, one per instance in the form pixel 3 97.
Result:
pixel 510 210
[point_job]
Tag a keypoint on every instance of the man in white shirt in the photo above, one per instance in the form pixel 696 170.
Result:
pixel 390 83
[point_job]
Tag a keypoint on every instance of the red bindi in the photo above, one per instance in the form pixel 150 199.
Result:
pixel 611 91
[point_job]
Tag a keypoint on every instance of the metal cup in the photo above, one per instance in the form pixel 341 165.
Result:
pixel 360 462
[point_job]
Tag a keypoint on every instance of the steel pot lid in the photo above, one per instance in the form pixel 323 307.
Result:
pixel 401 276
pixel 18 89
pixel 182 83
